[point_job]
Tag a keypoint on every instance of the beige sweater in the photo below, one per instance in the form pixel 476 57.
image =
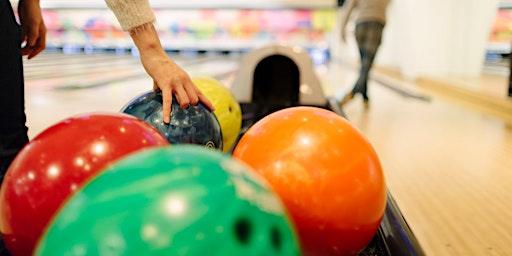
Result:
pixel 131 13
pixel 367 10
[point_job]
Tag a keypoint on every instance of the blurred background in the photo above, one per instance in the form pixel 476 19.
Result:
pixel 441 112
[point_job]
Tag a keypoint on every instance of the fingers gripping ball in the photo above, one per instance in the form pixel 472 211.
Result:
pixel 180 200
pixel 326 172
pixel 227 108
pixel 53 165
pixel 193 125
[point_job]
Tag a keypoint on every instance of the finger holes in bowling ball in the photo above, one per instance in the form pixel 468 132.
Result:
pixel 275 238
pixel 243 230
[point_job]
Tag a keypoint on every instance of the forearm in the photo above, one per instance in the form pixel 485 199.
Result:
pixel 147 41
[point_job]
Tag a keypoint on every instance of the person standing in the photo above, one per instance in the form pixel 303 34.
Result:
pixel 32 32
pixel 369 25
pixel 135 16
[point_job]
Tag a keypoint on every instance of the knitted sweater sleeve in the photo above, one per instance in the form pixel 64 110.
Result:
pixel 131 13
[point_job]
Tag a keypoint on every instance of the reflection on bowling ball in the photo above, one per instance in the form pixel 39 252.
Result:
pixel 193 125
pixel 178 200
pixel 227 108
pixel 54 164
pixel 326 172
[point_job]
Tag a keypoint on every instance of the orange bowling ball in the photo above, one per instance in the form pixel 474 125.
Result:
pixel 326 172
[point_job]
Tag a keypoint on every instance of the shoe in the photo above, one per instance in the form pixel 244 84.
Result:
pixel 348 97
pixel 366 103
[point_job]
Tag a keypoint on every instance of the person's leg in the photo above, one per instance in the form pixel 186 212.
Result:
pixel 369 40
pixel 360 34
pixel 368 37
pixel 13 130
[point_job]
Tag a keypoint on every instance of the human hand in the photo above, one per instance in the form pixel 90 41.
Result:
pixel 33 27
pixel 172 80
pixel 167 75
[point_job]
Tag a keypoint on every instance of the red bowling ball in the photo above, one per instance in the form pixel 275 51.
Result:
pixel 57 162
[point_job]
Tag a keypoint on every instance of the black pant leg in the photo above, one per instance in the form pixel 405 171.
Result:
pixel 13 130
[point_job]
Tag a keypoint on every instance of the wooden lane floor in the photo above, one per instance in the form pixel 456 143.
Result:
pixel 448 166
pixel 68 85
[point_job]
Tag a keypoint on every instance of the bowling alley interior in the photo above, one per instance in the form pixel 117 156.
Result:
pixel 428 156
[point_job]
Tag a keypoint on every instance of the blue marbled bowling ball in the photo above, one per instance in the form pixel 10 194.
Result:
pixel 192 125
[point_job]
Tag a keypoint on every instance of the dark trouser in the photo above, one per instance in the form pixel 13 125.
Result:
pixel 368 37
pixel 13 131
pixel 510 77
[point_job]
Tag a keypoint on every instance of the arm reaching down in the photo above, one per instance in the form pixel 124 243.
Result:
pixel 137 17
pixel 166 74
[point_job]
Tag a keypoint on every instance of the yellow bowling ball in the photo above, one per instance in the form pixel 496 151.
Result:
pixel 227 108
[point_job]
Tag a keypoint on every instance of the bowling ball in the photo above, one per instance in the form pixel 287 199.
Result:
pixel 54 165
pixel 227 108
pixel 180 200
pixel 326 172
pixel 192 125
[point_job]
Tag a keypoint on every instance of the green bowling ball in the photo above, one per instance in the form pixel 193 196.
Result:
pixel 178 200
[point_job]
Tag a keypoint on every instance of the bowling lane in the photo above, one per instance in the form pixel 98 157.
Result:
pixel 60 65
pixel 88 70
pixel 448 167
pixel 72 92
